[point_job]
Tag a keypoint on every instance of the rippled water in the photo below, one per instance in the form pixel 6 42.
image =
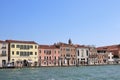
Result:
pixel 111 72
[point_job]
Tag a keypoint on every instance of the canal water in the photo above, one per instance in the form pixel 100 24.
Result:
pixel 111 72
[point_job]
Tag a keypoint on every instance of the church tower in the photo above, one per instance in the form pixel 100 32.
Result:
pixel 69 42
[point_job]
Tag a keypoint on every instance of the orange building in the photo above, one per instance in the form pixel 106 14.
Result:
pixel 67 54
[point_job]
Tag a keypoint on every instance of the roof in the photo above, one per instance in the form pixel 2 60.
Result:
pixel 81 46
pixel 112 48
pixel 1 41
pixel 61 44
pixel 47 47
pixel 19 41
pixel 103 49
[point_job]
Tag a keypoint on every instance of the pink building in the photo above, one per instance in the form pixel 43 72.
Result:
pixel 48 55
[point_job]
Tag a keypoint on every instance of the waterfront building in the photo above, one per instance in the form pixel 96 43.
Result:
pixel 93 60
pixel 115 49
pixel 3 53
pixel 102 56
pixel 67 53
pixel 48 55
pixel 82 53
pixel 22 53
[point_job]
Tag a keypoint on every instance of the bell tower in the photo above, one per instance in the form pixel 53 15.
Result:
pixel 69 42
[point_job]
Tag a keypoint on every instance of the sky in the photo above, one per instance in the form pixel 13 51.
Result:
pixel 85 22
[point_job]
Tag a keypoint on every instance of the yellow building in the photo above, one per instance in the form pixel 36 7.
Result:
pixel 22 53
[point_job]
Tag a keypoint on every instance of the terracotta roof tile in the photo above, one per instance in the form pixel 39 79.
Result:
pixel 18 41
pixel 47 47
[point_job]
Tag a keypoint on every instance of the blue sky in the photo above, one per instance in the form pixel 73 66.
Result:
pixel 89 22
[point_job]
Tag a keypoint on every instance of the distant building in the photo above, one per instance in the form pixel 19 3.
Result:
pixel 67 53
pixel 93 60
pixel 3 53
pixel 48 55
pixel 115 50
pixel 82 53
pixel 102 56
pixel 22 53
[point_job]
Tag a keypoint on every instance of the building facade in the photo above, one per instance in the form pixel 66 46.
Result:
pixel 67 54
pixel 115 50
pixel 93 60
pixel 3 53
pixel 48 55
pixel 22 53
pixel 82 54
pixel 102 56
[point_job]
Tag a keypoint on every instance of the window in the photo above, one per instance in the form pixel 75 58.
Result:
pixel 27 47
pixel 78 53
pixel 39 51
pixel 49 52
pixel 67 49
pixel 47 57
pixel 55 57
pixel 31 46
pixel 17 46
pixel 21 53
pixel 67 55
pixel 3 62
pixel 21 46
pixel 24 47
pixel 27 53
pixel 13 46
pixel 50 57
pixel 44 51
pixel 31 53
pixel 24 53
pixel 82 59
pixel 44 57
pixel 40 57
pixel 87 52
pixel 82 53
pixel 35 47
pixel 4 53
pixel 12 52
pixel 3 46
pixel 44 62
pixel 17 52
pixel 35 53
pixel 55 52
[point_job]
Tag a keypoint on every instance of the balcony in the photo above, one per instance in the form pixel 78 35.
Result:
pixel 3 55
pixel 67 56
pixel 3 47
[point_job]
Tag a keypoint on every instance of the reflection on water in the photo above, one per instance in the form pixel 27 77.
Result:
pixel 111 72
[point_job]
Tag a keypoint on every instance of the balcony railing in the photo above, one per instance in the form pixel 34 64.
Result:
pixel 3 48
pixel 3 55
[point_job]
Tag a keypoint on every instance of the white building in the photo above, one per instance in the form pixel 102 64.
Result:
pixel 82 54
pixel 3 53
